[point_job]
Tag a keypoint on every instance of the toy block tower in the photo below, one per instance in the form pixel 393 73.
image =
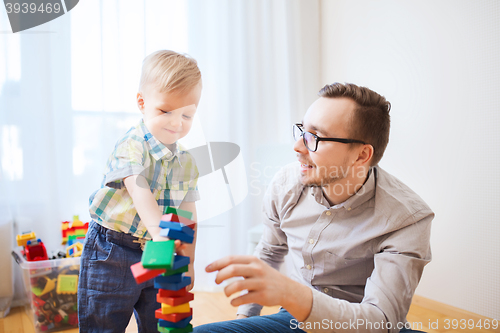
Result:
pixel 160 262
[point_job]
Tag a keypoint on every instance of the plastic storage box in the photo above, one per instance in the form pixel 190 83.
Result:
pixel 51 286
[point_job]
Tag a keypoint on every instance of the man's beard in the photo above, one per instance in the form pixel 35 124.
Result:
pixel 325 177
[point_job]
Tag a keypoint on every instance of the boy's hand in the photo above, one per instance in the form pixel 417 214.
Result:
pixel 158 238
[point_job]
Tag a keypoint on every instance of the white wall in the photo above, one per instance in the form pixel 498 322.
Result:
pixel 437 62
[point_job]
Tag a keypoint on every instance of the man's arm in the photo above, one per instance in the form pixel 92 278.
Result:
pixel 388 291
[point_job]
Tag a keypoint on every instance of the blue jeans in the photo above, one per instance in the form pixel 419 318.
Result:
pixel 281 322
pixel 107 291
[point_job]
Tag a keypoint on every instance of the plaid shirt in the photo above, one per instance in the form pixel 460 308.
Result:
pixel 171 173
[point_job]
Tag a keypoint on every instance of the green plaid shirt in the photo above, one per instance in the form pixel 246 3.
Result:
pixel 171 173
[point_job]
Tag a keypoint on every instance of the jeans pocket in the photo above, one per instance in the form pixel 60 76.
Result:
pixel 107 264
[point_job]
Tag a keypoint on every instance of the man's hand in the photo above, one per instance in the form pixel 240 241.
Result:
pixel 266 286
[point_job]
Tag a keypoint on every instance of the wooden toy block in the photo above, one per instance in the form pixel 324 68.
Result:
pixel 167 309
pixel 181 270
pixel 180 261
pixel 142 274
pixel 186 280
pixel 177 218
pixel 172 225
pixel 158 255
pixel 177 226
pixel 169 278
pixel 174 301
pixel 180 324
pixel 172 293
pixel 174 234
pixel 173 317
pixel 180 212
pixel 188 328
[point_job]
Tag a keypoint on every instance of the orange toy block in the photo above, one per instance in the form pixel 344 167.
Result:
pixel 172 293
pixel 174 317
pixel 174 301
pixel 142 274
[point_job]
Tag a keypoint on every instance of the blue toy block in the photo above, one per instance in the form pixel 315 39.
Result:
pixel 180 324
pixel 180 261
pixel 176 278
pixel 174 234
pixel 172 225
pixel 186 280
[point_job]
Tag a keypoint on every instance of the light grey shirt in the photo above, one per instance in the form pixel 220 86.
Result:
pixel 362 258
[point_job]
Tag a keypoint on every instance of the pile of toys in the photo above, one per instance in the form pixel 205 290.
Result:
pixel 53 284
pixel 54 299
pixel 160 262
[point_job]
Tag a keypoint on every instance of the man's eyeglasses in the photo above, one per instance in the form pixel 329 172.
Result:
pixel 311 140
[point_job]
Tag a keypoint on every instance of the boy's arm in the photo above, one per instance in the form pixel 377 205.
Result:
pixel 189 249
pixel 145 204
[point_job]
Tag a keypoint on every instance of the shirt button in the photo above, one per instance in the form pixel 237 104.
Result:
pixel 311 241
pixel 325 290
pixel 328 212
pixel 349 208
pixel 139 232
pixel 308 267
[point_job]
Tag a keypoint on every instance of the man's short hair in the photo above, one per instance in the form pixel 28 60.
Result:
pixel 169 71
pixel 371 121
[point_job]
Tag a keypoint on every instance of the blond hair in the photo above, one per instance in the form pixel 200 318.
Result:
pixel 169 71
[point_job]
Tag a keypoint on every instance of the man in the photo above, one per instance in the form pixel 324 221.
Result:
pixel 358 238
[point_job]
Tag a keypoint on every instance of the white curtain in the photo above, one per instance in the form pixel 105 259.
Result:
pixel 68 93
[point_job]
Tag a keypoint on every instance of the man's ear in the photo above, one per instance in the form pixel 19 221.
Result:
pixel 365 155
pixel 140 101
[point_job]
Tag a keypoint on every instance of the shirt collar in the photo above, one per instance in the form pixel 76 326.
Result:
pixel 365 193
pixel 157 149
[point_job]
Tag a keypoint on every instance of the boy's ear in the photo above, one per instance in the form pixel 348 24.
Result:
pixel 140 101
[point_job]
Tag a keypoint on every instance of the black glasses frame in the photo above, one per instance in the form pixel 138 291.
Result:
pixel 318 139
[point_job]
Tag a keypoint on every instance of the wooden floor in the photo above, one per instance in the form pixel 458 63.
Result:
pixel 214 307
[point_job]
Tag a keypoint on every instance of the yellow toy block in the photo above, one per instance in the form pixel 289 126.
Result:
pixel 168 309
pixel 67 284
pixel 23 239
pixel 74 250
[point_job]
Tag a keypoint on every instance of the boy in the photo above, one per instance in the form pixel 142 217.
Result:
pixel 147 172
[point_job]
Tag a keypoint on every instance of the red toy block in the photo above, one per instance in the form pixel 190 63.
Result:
pixel 142 274
pixel 177 218
pixel 172 293
pixel 174 301
pixel 173 317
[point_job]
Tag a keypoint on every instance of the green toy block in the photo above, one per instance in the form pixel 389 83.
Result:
pixel 180 212
pixel 188 328
pixel 158 255
pixel 183 269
